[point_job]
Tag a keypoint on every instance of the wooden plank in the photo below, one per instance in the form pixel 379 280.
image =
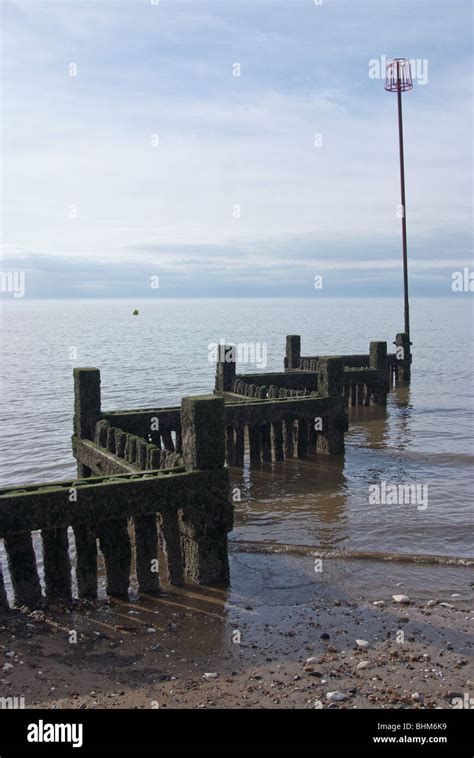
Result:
pixel 277 441
pixel 312 437
pixel 131 449
pixel 289 440
pixel 120 442
pixel 146 546
pixel 239 446
pixel 56 562
pixel 171 542
pixel 154 457
pixel 23 570
pixel 86 560
pixel 99 499
pixel 167 440
pixel 115 545
pixel 295 379
pixel 254 442
pixel 302 438
pixel 100 461
pixel 141 454
pixel 266 442
pixel 354 395
pixel 111 440
pixel 141 422
pixel 3 594
pixel 230 445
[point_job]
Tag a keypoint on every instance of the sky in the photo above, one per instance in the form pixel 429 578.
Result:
pixel 165 148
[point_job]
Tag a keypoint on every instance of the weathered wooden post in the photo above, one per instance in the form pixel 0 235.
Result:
pixel 225 368
pixel 23 572
pixel 378 360
pixel 204 525
pixel 230 445
pixel 293 351
pixel 277 441
pixel 86 401
pixel 146 548
pixel 330 377
pixel 86 415
pixel 302 438
pixel 57 564
pixel 239 446
pixel 378 355
pixel 266 442
pixel 331 384
pixel 403 353
pixel 289 439
pixel 117 551
pixel 255 443
pixel 3 593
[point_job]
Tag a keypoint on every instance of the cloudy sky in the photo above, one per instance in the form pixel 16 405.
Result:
pixel 132 149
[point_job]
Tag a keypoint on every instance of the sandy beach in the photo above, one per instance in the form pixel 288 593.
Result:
pixel 281 637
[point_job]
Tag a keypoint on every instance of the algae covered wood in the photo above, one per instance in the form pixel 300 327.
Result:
pixel 170 537
pixel 115 545
pixel 86 560
pixel 277 441
pixel 146 551
pixel 23 570
pixel 57 564
pixel 3 594
pixel 86 401
pixel 266 442
pixel 203 439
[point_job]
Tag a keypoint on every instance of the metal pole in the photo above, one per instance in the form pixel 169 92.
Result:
pixel 402 188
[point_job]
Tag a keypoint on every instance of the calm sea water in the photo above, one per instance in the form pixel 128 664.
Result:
pixel 425 436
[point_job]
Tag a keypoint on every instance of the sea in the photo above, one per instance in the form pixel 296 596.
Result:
pixel 425 435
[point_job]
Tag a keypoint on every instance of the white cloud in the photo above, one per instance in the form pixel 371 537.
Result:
pixel 85 142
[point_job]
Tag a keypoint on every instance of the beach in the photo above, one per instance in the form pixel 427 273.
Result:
pixel 283 636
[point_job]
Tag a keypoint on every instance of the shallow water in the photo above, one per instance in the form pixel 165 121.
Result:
pixel 425 436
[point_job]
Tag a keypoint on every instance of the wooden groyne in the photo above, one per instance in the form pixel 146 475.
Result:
pixel 282 415
pixel 155 477
pixel 185 507
pixel 368 377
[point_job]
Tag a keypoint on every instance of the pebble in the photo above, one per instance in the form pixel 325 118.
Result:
pixel 401 598
pixel 363 665
pixel 431 603
pixel 308 669
pixel 210 675
pixel 379 603
pixel 335 696
pixel 7 666
pixel 362 644
pixel 324 636
pixel 447 605
pixel 10 654
pixel 151 630
pixel 312 660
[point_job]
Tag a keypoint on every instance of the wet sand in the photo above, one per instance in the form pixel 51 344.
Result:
pixel 256 638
